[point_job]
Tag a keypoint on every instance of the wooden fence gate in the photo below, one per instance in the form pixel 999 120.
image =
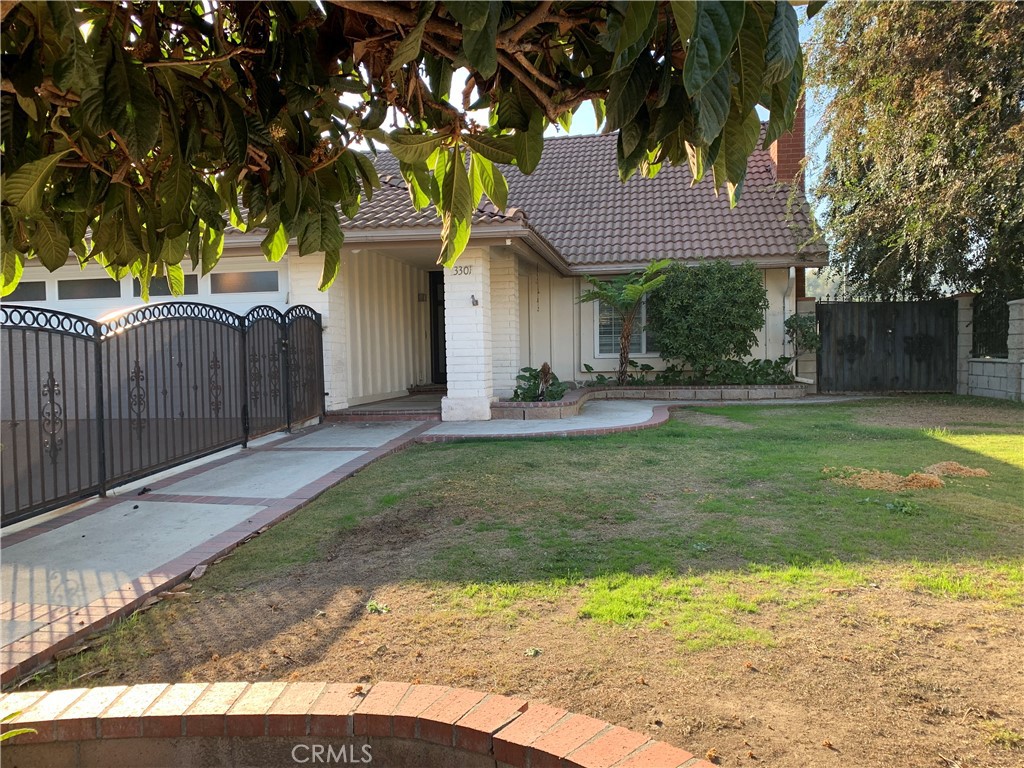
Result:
pixel 887 346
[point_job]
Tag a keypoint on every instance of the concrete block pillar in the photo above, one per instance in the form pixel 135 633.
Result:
pixel 1015 351
pixel 468 342
pixel 964 341
pixel 505 321
pixel 303 279
pixel 807 362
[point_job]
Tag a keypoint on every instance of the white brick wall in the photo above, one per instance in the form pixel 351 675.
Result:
pixel 504 321
pixel 303 279
pixel 468 342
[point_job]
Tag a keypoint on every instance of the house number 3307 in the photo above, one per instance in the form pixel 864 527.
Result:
pixel 463 270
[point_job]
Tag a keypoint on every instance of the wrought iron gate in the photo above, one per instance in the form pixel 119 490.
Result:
pixel 887 346
pixel 89 405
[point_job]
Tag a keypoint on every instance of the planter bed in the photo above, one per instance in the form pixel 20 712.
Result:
pixel 574 399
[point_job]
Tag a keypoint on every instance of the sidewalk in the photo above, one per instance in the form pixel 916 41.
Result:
pixel 69 575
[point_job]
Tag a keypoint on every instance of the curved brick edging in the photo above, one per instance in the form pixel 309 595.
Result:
pixel 574 399
pixel 261 723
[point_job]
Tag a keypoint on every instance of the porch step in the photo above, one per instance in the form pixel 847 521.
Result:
pixel 370 414
pixel 428 389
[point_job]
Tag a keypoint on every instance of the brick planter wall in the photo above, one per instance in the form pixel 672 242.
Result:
pixel 276 724
pixel 573 401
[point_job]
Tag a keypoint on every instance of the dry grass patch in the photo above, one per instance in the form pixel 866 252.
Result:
pixel 955 469
pixel 880 480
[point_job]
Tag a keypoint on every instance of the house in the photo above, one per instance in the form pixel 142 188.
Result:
pixel 395 320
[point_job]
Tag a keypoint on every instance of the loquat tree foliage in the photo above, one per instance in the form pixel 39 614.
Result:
pixel 134 134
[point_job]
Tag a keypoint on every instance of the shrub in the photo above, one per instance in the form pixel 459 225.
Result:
pixel 802 331
pixel 536 384
pixel 707 314
pixel 750 372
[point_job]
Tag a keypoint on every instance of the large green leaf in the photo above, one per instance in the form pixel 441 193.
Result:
pixel 784 97
pixel 530 144
pixel 275 244
pixel 24 188
pixel 422 186
pixel 412 147
pixel 485 176
pixel 236 130
pixel 738 141
pixel 174 193
pixel 628 89
pixel 715 31
pixel 713 105
pixel 749 61
pixel 409 49
pixel 11 268
pixel 685 14
pixel 634 26
pixel 50 244
pixel 479 44
pixel 173 250
pixel 206 204
pixel 332 265
pixel 783 43
pixel 367 172
pixel 457 208
pixel 129 105
pixel 497 149
pixel 213 248
pixel 471 14
pixel 175 279
pixel 331 240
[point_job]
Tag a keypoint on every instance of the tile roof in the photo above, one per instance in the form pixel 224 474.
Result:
pixel 575 201
pixel 391 206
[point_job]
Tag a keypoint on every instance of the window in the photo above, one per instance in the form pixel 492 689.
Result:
pixel 34 290
pixel 158 286
pixel 609 326
pixel 243 282
pixel 92 288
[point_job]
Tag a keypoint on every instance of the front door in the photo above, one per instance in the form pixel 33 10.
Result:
pixel 438 359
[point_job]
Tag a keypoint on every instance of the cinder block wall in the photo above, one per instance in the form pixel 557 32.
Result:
pixel 992 377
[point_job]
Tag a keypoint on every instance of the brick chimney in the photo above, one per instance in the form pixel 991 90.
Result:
pixel 788 150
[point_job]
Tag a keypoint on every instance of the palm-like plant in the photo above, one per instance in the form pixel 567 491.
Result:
pixel 625 294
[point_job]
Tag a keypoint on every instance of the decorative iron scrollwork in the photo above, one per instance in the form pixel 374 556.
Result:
pixel 255 377
pixel 52 414
pixel 216 388
pixel 138 398
pixel 920 346
pixel 275 377
pixel 851 347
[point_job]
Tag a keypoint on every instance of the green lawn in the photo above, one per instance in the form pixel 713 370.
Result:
pixel 690 526
pixel 667 581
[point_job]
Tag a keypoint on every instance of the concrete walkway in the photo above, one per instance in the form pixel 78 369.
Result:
pixel 68 574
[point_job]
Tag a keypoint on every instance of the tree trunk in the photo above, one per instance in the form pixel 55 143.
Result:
pixel 624 338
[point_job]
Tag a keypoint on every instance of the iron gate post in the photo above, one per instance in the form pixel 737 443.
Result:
pixel 101 440
pixel 287 368
pixel 244 346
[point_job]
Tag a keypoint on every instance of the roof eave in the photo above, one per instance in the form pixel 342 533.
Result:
pixel 811 259
pixel 482 233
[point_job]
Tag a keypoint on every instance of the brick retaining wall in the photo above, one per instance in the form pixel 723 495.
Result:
pixel 573 401
pixel 273 724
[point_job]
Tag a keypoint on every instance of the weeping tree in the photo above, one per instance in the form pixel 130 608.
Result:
pixel 624 295
pixel 134 133
pixel 924 170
